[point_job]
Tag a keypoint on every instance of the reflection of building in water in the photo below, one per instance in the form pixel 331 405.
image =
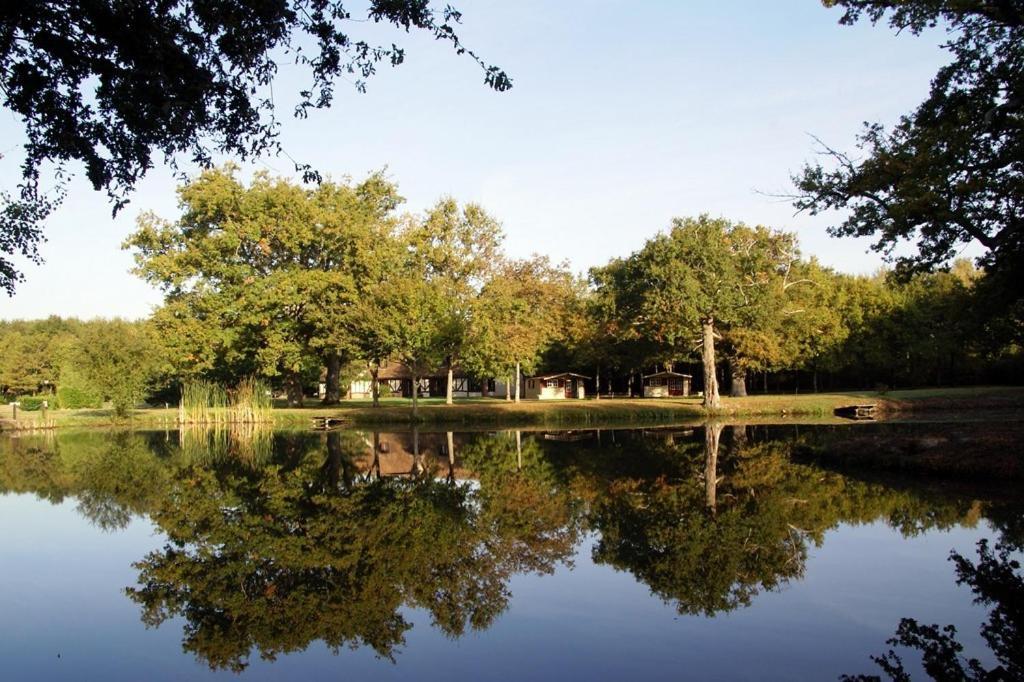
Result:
pixel 569 436
pixel 669 434
pixel 411 455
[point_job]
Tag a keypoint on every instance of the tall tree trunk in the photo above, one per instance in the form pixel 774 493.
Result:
pixel 597 382
pixel 415 396
pixel 707 354
pixel 764 381
pixel 712 433
pixel 375 385
pixel 738 383
pixel 449 390
pixel 518 373
pixel 293 388
pixel 508 388
pixel 815 381
pixel 332 394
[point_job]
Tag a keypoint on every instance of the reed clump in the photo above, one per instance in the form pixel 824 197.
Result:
pixel 205 402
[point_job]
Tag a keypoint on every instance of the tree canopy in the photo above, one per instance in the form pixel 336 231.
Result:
pixel 113 87
pixel 951 172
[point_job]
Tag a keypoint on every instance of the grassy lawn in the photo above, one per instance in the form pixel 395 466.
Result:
pixel 496 411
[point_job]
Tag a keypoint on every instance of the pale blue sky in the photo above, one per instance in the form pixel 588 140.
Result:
pixel 623 115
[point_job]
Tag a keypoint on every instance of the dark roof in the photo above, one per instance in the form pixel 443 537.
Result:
pixel 397 370
pixel 661 375
pixel 559 376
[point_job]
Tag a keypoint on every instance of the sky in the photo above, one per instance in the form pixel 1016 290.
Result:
pixel 623 115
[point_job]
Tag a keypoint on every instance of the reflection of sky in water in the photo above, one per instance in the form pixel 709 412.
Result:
pixel 62 584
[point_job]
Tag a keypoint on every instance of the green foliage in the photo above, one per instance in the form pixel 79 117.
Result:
pixel 34 403
pixel 949 173
pixel 116 359
pixel 74 391
pixel 196 87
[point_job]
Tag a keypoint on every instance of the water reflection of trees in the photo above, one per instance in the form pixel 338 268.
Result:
pixel 285 539
pixel 707 527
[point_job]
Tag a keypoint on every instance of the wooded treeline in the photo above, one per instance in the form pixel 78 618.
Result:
pixel 299 284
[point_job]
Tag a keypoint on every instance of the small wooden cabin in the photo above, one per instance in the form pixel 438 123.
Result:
pixel 555 386
pixel 399 379
pixel 667 385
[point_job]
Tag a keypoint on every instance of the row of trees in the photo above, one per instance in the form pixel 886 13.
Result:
pixel 295 282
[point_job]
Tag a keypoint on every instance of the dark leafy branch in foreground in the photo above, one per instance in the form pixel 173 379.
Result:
pixel 111 85
pixel 997 582
pixel 952 171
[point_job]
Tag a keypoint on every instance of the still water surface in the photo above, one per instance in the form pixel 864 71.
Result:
pixel 703 553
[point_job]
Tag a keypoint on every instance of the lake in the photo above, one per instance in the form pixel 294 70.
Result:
pixel 717 552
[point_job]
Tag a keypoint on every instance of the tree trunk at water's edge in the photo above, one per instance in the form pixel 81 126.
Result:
pixel 517 381
pixel 707 354
pixel 415 396
pixel 375 385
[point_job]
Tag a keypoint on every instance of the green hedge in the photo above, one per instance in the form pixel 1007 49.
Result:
pixel 75 398
pixel 32 403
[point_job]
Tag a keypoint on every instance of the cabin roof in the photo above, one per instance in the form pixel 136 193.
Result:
pixel 560 375
pixel 397 370
pixel 665 375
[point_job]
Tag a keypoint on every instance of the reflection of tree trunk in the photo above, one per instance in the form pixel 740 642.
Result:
pixel 711 399
pixel 332 391
pixel 417 465
pixel 517 380
pixel 712 433
pixel 450 390
pixel 738 376
pixel 739 436
pixel 375 384
pixel 519 450
pixel 332 467
pixel 293 387
pixel 375 467
pixel 451 457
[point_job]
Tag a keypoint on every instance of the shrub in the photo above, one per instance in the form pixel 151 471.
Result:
pixel 33 403
pixel 76 398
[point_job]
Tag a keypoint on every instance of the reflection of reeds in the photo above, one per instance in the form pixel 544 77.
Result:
pixel 204 402
pixel 251 443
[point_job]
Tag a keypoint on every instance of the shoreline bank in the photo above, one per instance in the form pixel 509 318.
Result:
pixel 569 413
